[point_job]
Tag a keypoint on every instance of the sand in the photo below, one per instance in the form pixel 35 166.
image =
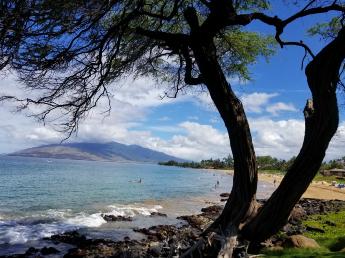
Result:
pixel 317 190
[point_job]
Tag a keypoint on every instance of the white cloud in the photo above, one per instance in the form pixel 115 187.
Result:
pixel 280 139
pixel 198 142
pixel 254 102
pixel 191 140
pixel 278 107
pixel 336 148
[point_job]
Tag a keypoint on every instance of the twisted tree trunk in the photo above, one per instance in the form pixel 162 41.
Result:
pixel 242 197
pixel 321 123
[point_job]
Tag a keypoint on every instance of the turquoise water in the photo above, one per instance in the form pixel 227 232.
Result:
pixel 41 197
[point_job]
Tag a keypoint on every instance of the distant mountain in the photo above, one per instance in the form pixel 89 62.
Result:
pixel 111 151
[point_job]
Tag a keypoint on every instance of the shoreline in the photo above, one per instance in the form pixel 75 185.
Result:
pixel 316 190
pixel 166 240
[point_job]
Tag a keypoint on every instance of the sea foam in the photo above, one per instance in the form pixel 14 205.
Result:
pixel 131 210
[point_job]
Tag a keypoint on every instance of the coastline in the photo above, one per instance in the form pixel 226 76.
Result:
pixel 177 216
pixel 317 189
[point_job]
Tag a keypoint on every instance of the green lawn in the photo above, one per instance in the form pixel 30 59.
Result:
pixel 331 242
pixel 328 179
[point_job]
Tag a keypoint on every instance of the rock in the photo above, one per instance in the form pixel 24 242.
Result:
pixel 31 250
pixel 212 209
pixel 72 237
pixel 75 252
pixel 49 250
pixel 224 195
pixel 297 214
pixel 196 221
pixel 330 223
pixel 291 229
pixel 112 218
pixel 223 200
pixel 300 241
pixel 157 214
pixel 314 229
pixel 155 249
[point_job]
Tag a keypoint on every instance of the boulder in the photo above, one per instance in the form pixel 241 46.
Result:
pixel 157 214
pixel 212 209
pixel 49 250
pixel 112 218
pixel 300 241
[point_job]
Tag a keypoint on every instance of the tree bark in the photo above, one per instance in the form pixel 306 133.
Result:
pixel 321 123
pixel 244 188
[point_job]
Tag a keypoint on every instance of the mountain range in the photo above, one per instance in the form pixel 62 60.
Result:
pixel 111 151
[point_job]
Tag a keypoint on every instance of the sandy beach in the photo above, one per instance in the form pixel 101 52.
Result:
pixel 317 190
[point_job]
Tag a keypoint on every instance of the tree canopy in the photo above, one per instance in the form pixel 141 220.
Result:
pixel 71 51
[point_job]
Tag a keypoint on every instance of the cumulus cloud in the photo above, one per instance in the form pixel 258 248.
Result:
pixel 192 139
pixel 255 102
pixel 198 142
pixel 281 138
pixel 278 107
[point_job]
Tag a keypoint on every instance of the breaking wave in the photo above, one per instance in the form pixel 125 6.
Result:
pixel 51 222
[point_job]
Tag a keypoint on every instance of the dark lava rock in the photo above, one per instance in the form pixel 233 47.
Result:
pixel 157 214
pixel 155 250
pixel 314 229
pixel 49 250
pixel 330 223
pixel 196 221
pixel 224 195
pixel 212 209
pixel 31 250
pixel 315 206
pixel 158 233
pixel 72 237
pixel 75 252
pixel 112 218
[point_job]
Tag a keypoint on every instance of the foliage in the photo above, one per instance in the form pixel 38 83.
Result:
pixel 327 30
pixel 71 51
pixel 226 163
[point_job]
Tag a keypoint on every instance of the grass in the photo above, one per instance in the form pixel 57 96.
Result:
pixel 331 241
pixel 334 236
pixel 328 179
pixel 318 176
pixel 304 253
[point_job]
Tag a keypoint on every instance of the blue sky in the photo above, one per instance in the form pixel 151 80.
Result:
pixel 189 126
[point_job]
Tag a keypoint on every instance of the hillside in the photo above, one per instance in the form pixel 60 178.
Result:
pixel 111 151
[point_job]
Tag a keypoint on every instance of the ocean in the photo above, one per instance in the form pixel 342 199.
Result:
pixel 40 197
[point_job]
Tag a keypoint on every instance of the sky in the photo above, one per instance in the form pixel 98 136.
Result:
pixel 189 126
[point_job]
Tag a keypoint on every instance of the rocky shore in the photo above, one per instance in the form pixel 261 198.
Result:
pixel 173 240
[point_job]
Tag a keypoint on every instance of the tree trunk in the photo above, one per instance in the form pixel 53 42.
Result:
pixel 321 123
pixel 242 196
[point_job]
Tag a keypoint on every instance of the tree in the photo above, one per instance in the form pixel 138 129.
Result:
pixel 71 50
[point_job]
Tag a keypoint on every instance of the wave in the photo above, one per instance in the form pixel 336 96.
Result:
pixel 131 211
pixel 51 222
pixel 13 232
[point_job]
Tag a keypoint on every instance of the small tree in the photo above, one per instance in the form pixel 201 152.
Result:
pixel 72 50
